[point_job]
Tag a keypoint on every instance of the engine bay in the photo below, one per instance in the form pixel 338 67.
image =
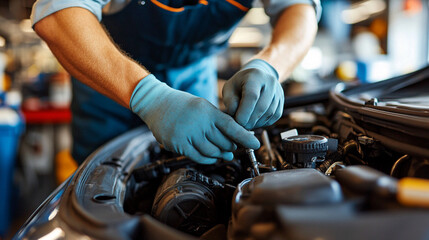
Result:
pixel 349 163
pixel 321 175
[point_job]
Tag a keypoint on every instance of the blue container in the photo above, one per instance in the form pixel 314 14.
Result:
pixel 11 127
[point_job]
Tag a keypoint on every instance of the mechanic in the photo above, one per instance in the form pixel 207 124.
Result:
pixel 154 60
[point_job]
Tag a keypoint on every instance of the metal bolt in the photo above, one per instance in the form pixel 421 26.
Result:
pixel 253 161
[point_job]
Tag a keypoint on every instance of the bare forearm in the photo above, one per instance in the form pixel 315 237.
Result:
pixel 82 46
pixel 293 35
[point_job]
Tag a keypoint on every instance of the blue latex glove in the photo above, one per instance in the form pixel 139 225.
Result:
pixel 254 95
pixel 187 124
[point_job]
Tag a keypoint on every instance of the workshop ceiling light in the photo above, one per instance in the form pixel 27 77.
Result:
pixel 361 11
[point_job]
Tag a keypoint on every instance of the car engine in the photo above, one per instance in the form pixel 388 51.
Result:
pixel 349 163
pixel 321 177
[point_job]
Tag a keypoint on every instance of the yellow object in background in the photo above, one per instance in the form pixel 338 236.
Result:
pixel 413 192
pixel 7 83
pixel 65 165
pixel 347 71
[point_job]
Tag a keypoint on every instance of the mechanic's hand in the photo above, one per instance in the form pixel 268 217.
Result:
pixel 254 95
pixel 186 124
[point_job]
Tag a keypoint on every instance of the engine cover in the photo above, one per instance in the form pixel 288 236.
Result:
pixel 256 200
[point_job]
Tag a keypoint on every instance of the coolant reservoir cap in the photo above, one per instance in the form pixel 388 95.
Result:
pixel 306 144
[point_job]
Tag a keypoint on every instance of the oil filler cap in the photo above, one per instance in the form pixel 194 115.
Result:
pixel 306 144
pixel 305 150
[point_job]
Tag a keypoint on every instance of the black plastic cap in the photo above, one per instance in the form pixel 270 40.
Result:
pixel 306 144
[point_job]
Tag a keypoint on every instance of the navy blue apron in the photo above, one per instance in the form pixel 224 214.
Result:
pixel 176 40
